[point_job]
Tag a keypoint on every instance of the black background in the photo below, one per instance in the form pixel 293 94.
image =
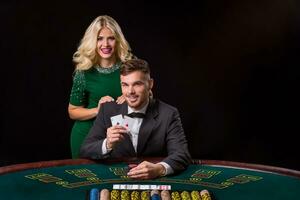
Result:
pixel 230 67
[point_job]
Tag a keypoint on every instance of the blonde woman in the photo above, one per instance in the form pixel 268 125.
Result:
pixel 96 78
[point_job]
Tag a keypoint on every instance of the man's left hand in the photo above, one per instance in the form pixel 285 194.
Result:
pixel 147 170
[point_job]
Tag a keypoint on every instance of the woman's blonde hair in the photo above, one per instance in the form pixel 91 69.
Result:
pixel 86 55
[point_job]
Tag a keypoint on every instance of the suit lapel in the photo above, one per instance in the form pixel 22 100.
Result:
pixel 124 108
pixel 147 126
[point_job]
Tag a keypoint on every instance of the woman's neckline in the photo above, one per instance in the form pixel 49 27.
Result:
pixel 108 70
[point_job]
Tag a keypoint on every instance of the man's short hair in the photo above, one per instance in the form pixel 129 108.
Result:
pixel 132 65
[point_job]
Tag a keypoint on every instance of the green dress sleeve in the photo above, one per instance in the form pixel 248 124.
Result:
pixel 78 94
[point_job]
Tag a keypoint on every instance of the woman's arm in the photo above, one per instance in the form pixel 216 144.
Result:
pixel 81 113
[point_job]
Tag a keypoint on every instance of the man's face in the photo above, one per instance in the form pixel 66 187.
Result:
pixel 135 88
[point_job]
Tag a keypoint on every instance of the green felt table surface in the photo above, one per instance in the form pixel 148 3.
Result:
pixel 74 181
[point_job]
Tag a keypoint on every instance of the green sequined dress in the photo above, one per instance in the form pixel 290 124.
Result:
pixel 88 87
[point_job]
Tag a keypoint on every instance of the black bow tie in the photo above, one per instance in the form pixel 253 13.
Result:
pixel 136 115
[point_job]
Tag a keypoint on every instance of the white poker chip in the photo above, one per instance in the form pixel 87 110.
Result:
pixel 140 187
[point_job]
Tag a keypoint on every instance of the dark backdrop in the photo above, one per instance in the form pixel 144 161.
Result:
pixel 230 67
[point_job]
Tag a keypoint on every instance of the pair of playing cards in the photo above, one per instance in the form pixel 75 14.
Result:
pixel 121 120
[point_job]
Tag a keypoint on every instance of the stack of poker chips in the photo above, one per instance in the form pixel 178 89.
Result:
pixel 105 194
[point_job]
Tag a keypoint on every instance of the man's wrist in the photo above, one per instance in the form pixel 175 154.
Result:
pixel 105 150
pixel 168 168
pixel 107 147
pixel 162 170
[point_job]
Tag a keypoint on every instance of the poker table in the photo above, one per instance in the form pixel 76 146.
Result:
pixel 73 179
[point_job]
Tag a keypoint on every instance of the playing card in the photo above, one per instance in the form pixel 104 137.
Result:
pixel 128 122
pixel 116 120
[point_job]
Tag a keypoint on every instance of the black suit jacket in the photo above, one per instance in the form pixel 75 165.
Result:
pixel 161 135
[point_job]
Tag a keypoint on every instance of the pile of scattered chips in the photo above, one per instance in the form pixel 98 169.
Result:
pixel 105 194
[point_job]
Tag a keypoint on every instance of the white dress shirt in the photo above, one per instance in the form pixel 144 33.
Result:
pixel 134 134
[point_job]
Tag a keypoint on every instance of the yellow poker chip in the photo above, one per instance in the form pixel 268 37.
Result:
pixel 175 196
pixel 135 195
pixel 195 195
pixel 125 195
pixel 185 195
pixel 115 195
pixel 145 195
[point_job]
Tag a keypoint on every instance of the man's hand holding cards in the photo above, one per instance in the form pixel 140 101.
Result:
pixel 120 126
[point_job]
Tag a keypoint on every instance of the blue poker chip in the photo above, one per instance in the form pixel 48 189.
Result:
pixel 94 194
pixel 155 197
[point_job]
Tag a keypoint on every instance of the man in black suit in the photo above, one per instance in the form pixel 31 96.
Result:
pixel 156 132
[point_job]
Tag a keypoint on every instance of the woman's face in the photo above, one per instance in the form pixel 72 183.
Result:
pixel 106 43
